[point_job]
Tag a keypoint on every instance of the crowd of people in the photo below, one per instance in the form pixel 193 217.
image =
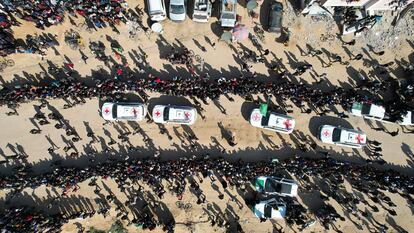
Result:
pixel 203 89
pixel 47 13
pixel 44 14
pixel 187 173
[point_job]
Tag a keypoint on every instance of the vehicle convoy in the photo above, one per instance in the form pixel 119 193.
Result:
pixel 202 10
pixel 178 10
pixel 342 137
pixel 228 13
pixel 270 209
pixel 124 111
pixel 183 115
pixel 272 121
pixel 276 186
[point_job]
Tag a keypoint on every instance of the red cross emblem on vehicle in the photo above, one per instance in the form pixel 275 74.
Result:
pixel 326 133
pixel 106 111
pixel 360 139
pixel 256 117
pixel 157 113
pixel 135 111
pixel 187 114
pixel 288 124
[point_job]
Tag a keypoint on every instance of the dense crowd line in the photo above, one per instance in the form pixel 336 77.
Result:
pixel 198 87
pixel 187 173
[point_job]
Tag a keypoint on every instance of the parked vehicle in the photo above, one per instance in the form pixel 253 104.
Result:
pixel 202 10
pixel 178 10
pixel 270 209
pixel 276 186
pixel 275 18
pixel 228 13
pixel 156 10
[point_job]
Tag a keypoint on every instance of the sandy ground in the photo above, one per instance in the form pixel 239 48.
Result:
pixel 252 143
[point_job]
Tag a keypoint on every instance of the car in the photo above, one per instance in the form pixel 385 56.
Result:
pixel 123 111
pixel 270 209
pixel 228 9
pixel 407 119
pixel 276 186
pixel 368 110
pixel 156 10
pixel 174 114
pixel 272 121
pixel 202 10
pixel 177 10
pixel 343 137
pixel 275 18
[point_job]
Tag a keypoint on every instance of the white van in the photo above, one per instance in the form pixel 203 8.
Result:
pixel 156 10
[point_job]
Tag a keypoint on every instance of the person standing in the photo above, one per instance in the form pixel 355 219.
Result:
pixel 357 57
pixel 84 58
pixel 394 133
pixel 213 45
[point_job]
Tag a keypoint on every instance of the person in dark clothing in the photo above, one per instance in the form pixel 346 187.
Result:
pixel 394 133
pixel 357 57
pixel 352 42
pixel 84 58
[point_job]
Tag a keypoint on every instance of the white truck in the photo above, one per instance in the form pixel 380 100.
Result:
pixel 202 10
pixel 228 13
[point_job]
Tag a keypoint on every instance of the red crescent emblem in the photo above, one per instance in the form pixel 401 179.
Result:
pixel 256 117
pixel 157 113
pixel 106 111
pixel 135 111
pixel 326 133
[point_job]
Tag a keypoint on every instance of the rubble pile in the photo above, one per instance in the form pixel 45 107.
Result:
pixel 290 17
pixel 384 35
